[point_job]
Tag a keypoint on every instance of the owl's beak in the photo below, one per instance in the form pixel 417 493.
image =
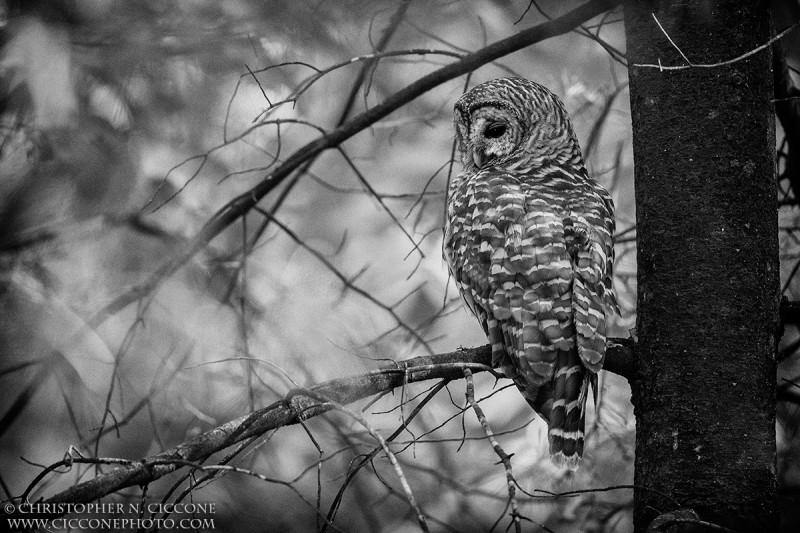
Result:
pixel 477 157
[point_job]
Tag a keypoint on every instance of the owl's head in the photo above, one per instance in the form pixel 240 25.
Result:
pixel 513 123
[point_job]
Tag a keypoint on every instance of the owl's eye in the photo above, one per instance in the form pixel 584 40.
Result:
pixel 494 131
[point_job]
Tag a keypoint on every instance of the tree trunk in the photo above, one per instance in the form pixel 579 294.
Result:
pixel 708 277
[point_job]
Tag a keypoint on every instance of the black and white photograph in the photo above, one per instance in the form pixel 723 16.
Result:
pixel 394 266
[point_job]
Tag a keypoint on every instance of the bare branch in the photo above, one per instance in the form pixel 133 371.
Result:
pixel 368 457
pixel 244 202
pixel 344 390
pixel 349 282
pixel 689 64
pixel 597 127
pixel 504 457
pixel 583 30
pixel 306 85
pixel 423 524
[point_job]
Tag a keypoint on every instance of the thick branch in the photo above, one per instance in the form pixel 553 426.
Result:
pixel 243 203
pixel 619 358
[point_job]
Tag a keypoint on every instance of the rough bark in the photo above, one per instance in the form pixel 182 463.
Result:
pixel 703 144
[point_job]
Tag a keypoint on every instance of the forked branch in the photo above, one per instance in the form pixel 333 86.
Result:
pixel 242 204
pixel 304 403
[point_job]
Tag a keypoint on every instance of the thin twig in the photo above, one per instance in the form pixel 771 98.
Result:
pixel 367 458
pixel 344 390
pixel 229 468
pixel 412 501
pixel 305 169
pixel 233 210
pixel 348 282
pixel 306 84
pixel 661 67
pixel 504 457
pixel 660 27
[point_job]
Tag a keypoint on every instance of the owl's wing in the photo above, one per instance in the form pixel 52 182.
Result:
pixel 467 251
pixel 461 247
pixel 507 252
pixel 589 230
pixel 609 224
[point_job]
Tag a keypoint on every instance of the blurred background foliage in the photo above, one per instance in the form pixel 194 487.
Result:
pixel 127 125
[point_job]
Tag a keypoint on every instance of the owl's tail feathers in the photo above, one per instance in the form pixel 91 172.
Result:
pixel 568 412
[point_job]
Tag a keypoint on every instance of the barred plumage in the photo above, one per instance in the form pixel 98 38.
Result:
pixel 528 240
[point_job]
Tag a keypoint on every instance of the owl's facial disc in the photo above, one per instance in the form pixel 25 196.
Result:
pixel 493 134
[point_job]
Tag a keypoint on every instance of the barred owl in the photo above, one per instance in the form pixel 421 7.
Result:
pixel 528 240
